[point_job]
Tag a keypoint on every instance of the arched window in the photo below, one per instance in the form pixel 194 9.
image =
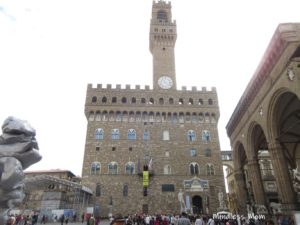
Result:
pixel 194 168
pixel 104 116
pixel 174 118
pixel 124 116
pixel 131 134
pixel 118 116
pixel 163 117
pixel 207 152
pixel 99 134
pixel 207 119
pixel 187 117
pixel 194 118
pixel 94 99
pixel 205 136
pixel 113 168
pixel 138 116
pixel 125 190
pixel 95 168
pixel 146 135
pixel 191 135
pixel 167 169
pixel 210 169
pixel 157 117
pixel 143 100
pixel 111 116
pixel 91 116
pixel 151 117
pixel 131 117
pixel 124 100
pixel 210 101
pixel 201 118
pixel 151 101
pixel 171 101
pixel 145 116
pixel 166 135
pixel 191 101
pixel 129 168
pixel 98 190
pixel 115 134
pixel 181 117
pixel 213 118
pixel 104 99
pixel 200 101
pixel 114 100
pixel 180 102
pixel 98 116
pixel 161 101
pixel 133 100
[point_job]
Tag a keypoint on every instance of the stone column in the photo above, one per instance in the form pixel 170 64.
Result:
pixel 256 182
pixel 241 191
pixel 282 175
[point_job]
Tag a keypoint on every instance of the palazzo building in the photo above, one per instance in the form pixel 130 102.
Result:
pixel 169 132
pixel 264 130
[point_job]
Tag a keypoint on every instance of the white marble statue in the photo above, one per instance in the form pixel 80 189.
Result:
pixel 181 201
pixel 221 200
pixel 18 150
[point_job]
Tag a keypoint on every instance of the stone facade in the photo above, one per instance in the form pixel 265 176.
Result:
pixel 173 132
pixel 264 129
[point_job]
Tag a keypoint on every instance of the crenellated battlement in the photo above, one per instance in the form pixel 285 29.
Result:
pixel 161 4
pixel 147 88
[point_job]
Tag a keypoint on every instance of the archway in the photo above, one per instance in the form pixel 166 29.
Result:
pixel 197 204
pixel 285 131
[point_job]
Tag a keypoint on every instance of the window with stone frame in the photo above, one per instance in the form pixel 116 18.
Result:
pixel 129 168
pixel 191 135
pixel 99 134
pixel 113 168
pixel 194 168
pixel 94 99
pixel 115 134
pixel 131 134
pixel 95 168
pixel 146 135
pixel 205 136
pixel 210 171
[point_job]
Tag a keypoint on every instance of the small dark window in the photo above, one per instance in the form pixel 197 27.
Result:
pixel 130 149
pixel 104 100
pixel 94 99
pixel 180 102
pixel 125 190
pixel 210 101
pixel 207 152
pixel 143 100
pixel 98 190
pixel 200 102
pixel 171 101
pixel 133 100
pixel 97 148
pixel 113 148
pixel 124 100
pixel 114 100
pixel 161 101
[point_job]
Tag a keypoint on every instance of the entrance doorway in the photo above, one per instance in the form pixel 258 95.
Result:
pixel 197 204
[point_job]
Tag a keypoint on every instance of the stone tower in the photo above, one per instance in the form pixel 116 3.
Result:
pixel 169 132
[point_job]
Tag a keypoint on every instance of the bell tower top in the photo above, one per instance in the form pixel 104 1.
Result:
pixel 162 42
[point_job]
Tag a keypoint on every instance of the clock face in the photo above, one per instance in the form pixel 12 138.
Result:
pixel 165 82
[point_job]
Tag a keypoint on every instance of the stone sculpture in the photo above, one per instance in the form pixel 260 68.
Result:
pixel 18 150
pixel 181 201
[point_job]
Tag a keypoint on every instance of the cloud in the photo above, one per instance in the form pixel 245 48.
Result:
pixel 6 14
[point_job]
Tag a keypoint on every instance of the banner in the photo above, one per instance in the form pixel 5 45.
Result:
pixel 145 178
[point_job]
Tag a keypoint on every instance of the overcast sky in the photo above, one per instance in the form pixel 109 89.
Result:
pixel 51 49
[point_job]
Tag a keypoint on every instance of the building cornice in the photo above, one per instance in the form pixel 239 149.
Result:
pixel 284 34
